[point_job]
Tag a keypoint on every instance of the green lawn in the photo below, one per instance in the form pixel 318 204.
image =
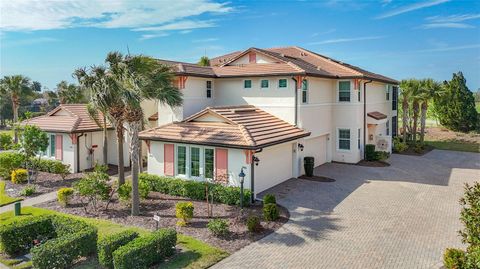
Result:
pixel 7 132
pixel 454 145
pixel 195 254
pixel 5 199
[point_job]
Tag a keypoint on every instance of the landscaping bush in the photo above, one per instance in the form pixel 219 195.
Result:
pixel 419 148
pixel 6 141
pixel 269 199
pixel 94 186
pixel 19 176
pixel 28 190
pixel 253 224
pixel 74 239
pixel 270 212
pixel 399 145
pixel 10 161
pixel 218 227
pixel 381 155
pixel 454 258
pixel 184 212
pixel 146 251
pixel 370 152
pixel 195 190
pixel 110 243
pixel 64 195
pixel 18 236
pixel 125 191
pixel 51 166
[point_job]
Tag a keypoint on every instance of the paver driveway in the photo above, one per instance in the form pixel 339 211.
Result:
pixel 402 216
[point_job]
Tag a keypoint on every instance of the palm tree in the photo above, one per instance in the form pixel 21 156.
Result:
pixel 429 90
pixel 204 61
pixel 142 78
pixel 104 96
pixel 406 87
pixel 15 87
pixel 69 93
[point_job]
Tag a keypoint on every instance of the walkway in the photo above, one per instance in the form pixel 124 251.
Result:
pixel 402 216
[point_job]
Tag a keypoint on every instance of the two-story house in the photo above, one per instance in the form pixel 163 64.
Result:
pixel 263 110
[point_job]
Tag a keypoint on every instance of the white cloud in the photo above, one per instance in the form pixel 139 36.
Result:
pixel 179 25
pixel 29 41
pixel 464 47
pixel 411 7
pixel 31 15
pixel 451 21
pixel 446 25
pixel 324 32
pixel 344 40
pixel 205 40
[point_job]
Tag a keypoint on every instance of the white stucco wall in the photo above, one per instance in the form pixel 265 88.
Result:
pixel 260 59
pixel 275 166
pixel 112 149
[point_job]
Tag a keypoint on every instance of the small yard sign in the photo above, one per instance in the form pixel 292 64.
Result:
pixel 157 219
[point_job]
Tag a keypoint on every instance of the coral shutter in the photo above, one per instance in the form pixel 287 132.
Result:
pixel 168 159
pixel 59 147
pixel 221 165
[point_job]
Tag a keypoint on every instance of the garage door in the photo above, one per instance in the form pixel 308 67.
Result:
pixel 317 148
pixel 275 166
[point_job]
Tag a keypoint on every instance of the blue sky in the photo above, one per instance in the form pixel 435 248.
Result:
pixel 46 40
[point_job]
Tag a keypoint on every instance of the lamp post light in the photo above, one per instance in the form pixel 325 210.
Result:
pixel 242 180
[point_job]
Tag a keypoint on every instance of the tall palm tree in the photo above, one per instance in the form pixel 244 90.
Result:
pixel 15 87
pixel 406 87
pixel 142 78
pixel 416 99
pixel 69 93
pixel 429 90
pixel 104 96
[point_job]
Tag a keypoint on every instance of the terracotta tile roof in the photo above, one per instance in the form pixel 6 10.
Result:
pixel 67 118
pixel 377 115
pixel 256 70
pixel 245 127
pixel 181 68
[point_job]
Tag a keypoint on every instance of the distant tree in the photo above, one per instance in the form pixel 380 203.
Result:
pixel 477 95
pixel 15 87
pixel 429 89
pixel 36 86
pixel 204 61
pixel 456 106
pixel 69 93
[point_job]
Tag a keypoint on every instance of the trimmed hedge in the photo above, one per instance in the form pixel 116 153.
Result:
pixel 145 251
pixel 109 244
pixel 18 237
pixel 195 190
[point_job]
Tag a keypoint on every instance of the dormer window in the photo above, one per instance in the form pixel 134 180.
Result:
pixel 282 83
pixel 264 83
pixel 209 89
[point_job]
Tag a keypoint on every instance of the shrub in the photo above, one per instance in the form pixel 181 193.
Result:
pixel 125 191
pixel 110 243
pixel 454 258
pixel 419 148
pixel 57 167
pixel 195 190
pixel 218 227
pixel 184 212
pixel 370 152
pixel 269 199
pixel 398 145
pixel 381 155
pixel 10 161
pixel 6 141
pixel 19 176
pixel 270 212
pixel 143 189
pixel 64 195
pixel 473 257
pixel 28 190
pixel 253 224
pixel 94 186
pixel 145 251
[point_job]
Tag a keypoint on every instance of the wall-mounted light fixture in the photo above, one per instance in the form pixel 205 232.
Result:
pixel 256 160
pixel 300 146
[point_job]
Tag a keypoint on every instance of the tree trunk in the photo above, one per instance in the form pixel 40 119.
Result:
pixel 134 152
pixel 15 116
pixel 415 121
pixel 105 142
pixel 423 121
pixel 140 159
pixel 121 166
pixel 405 118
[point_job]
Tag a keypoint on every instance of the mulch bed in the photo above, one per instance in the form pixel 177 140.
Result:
pixel 46 182
pixel 164 206
pixel 373 163
pixel 317 178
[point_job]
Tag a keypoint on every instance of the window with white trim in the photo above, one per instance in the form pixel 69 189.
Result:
pixel 52 145
pixel 181 160
pixel 247 84
pixel 387 129
pixel 282 83
pixel 304 91
pixel 209 157
pixel 387 92
pixel 194 162
pixel 344 91
pixel 344 139
pixel 264 83
pixel 209 89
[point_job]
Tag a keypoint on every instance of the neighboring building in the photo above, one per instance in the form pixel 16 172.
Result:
pixel 75 138
pixel 335 108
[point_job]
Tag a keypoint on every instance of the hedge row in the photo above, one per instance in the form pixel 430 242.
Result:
pixel 11 160
pixel 109 244
pixel 196 190
pixel 147 250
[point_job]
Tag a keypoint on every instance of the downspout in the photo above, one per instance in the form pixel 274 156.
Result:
pixel 365 116
pixel 78 152
pixel 252 177
pixel 296 101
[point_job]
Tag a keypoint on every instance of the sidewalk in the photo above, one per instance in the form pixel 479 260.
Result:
pixel 32 201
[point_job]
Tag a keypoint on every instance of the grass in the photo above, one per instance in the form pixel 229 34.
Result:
pixel 195 254
pixel 5 199
pixel 454 145
pixel 10 132
pixel 477 105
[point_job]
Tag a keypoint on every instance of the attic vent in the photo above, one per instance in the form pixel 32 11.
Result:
pixel 247 109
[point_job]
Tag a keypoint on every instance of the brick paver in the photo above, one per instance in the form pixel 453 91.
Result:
pixel 402 216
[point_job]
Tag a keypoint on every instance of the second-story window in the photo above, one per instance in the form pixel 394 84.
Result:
pixel 387 125
pixel 394 97
pixel 304 91
pixel 209 89
pixel 387 93
pixel 247 84
pixel 264 83
pixel 282 83
pixel 344 91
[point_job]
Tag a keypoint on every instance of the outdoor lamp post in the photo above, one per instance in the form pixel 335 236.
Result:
pixel 242 179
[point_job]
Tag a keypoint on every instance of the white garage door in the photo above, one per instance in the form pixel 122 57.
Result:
pixel 316 147
pixel 275 166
